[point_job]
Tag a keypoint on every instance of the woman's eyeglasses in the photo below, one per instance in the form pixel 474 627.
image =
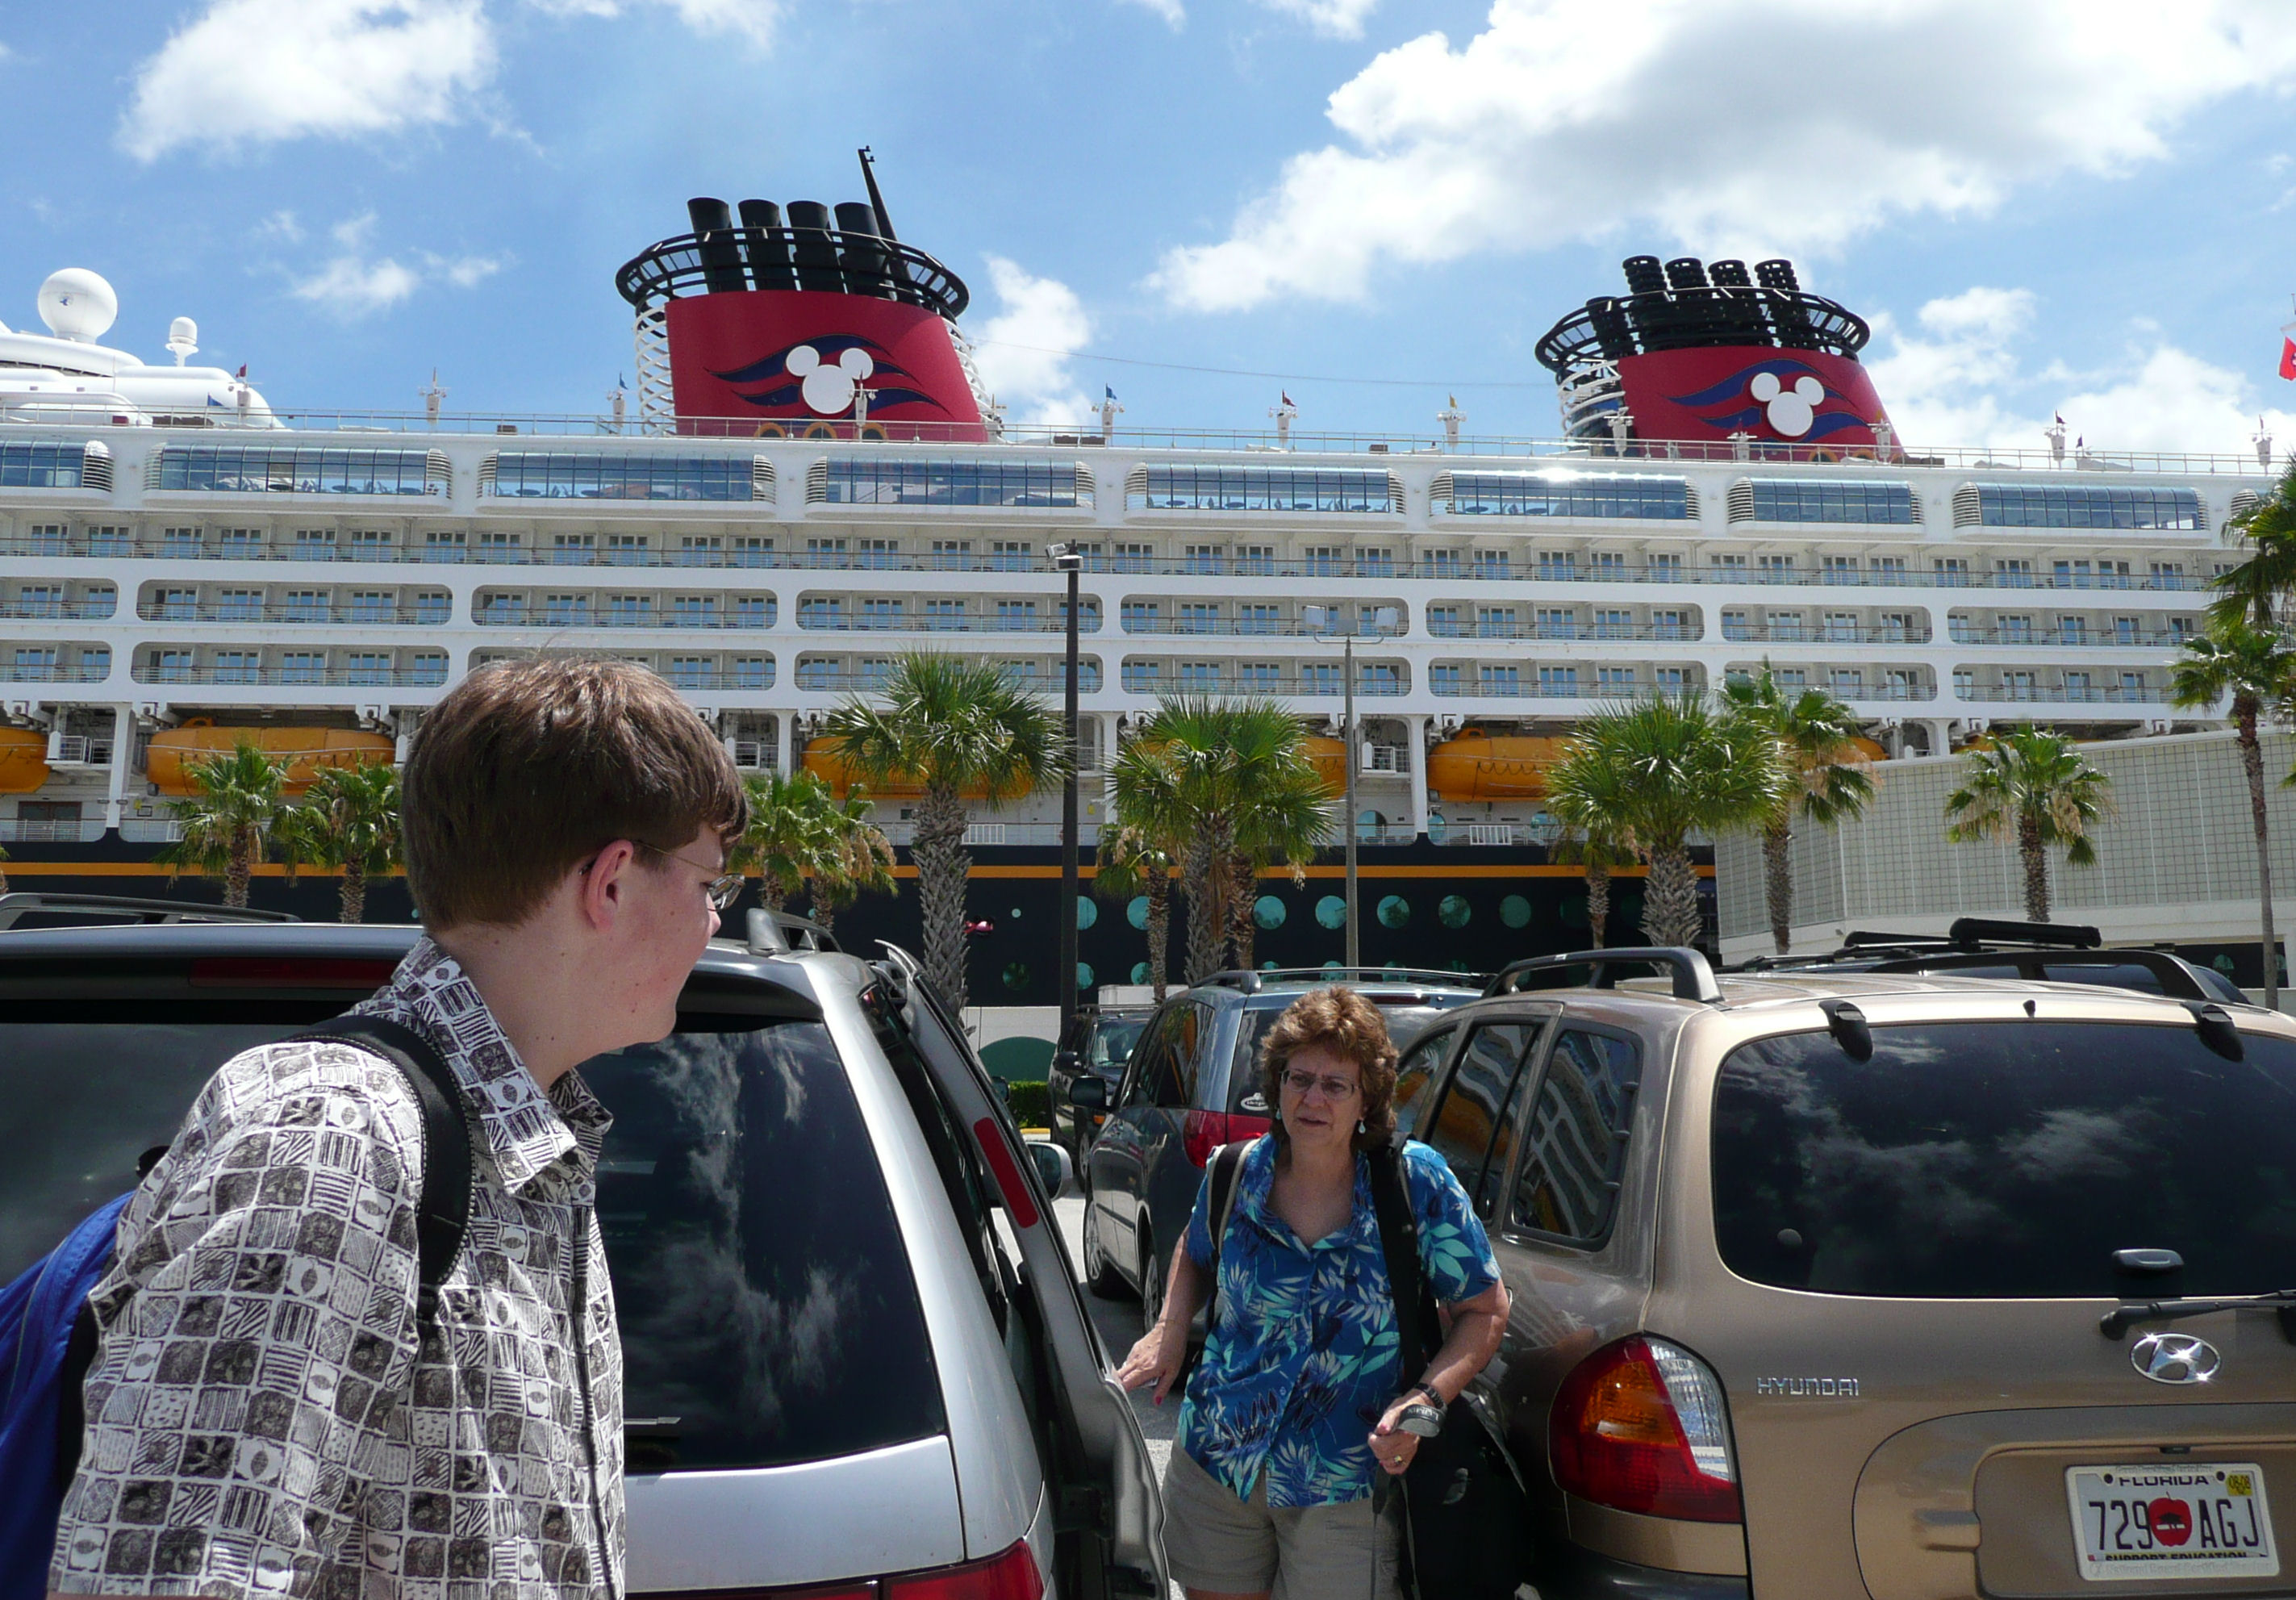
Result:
pixel 1334 1088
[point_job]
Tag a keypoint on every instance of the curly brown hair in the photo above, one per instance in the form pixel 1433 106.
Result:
pixel 1353 1029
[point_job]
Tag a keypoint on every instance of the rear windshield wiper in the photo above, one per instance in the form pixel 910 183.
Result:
pixel 2122 1317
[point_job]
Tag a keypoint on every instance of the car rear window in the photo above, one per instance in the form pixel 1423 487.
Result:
pixel 1112 1039
pixel 2005 1160
pixel 1404 1023
pixel 765 1294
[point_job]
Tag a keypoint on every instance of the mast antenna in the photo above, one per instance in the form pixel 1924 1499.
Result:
pixel 876 200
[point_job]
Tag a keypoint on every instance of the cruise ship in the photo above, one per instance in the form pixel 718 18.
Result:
pixel 808 481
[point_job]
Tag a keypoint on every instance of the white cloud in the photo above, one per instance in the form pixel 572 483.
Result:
pixel 1018 350
pixel 754 20
pixel 254 71
pixel 1334 19
pixel 352 285
pixel 1958 382
pixel 1174 15
pixel 1766 125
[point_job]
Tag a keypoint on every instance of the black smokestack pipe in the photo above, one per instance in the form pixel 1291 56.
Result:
pixel 721 256
pixel 1613 336
pixel 861 250
pixel 768 245
pixel 1790 317
pixel 897 269
pixel 810 243
pixel 1644 275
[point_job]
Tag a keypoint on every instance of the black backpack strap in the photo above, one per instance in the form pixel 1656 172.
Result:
pixel 1415 1321
pixel 443 1212
pixel 1226 1179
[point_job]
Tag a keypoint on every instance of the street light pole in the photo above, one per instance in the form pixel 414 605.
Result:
pixel 1069 559
pixel 1355 942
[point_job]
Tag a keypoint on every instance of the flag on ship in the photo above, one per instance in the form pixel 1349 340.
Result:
pixel 1107 392
pixel 2288 350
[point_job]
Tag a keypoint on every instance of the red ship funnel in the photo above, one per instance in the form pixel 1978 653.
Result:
pixel 801 323
pixel 1715 356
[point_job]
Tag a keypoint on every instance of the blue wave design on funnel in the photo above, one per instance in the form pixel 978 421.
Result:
pixel 830 346
pixel 1731 387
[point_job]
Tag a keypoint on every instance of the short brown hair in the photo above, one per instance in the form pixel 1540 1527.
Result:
pixel 525 767
pixel 1349 1027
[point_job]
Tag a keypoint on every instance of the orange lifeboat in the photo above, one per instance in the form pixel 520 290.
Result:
pixel 821 760
pixel 1473 765
pixel 305 752
pixel 1329 756
pixel 23 760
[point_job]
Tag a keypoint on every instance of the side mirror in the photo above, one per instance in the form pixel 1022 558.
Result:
pixel 1088 1093
pixel 1055 1170
pixel 1066 1061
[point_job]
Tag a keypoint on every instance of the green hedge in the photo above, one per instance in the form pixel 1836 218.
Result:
pixel 1031 1103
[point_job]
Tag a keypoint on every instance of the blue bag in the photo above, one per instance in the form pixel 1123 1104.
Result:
pixel 48 1334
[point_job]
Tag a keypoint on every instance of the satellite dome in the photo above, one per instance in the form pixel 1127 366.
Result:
pixel 77 304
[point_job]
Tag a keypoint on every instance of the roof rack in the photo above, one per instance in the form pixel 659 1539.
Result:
pixel 1970 931
pixel 781 933
pixel 2175 975
pixel 1693 977
pixel 1251 982
pixel 127 908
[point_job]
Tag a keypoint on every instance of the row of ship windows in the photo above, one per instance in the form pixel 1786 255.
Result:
pixel 38 602
pixel 374 545
pixel 1024 484
pixel 361 669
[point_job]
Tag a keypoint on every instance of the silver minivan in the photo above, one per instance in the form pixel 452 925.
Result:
pixel 856 1360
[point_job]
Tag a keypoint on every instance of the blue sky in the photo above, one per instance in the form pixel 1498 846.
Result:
pixel 2043 206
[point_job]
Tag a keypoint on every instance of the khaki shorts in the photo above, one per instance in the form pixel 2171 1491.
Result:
pixel 1215 1541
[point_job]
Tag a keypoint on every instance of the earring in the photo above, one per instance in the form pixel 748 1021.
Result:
pixel 1359 1125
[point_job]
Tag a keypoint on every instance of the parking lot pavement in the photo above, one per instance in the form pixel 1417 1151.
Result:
pixel 1119 1322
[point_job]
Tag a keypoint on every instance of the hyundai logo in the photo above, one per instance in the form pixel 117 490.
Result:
pixel 2174 1359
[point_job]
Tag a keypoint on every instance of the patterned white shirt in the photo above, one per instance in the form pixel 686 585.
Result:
pixel 264 1416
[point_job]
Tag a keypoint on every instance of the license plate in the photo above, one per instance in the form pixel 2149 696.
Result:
pixel 2208 1520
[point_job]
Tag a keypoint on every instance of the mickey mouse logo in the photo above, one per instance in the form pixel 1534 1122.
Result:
pixel 1788 411
pixel 829 389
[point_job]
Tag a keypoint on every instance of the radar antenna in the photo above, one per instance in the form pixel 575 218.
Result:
pixel 431 398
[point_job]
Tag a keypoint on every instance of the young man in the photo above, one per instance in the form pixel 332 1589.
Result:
pixel 266 1414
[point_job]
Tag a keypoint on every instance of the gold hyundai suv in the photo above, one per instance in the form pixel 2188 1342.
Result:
pixel 1832 1284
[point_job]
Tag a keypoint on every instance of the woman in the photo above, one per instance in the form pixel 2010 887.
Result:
pixel 1297 1400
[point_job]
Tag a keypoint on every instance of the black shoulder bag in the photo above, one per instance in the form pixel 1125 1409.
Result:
pixel 1225 1177
pixel 1466 1520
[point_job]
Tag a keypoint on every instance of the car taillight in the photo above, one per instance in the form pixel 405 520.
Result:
pixel 1011 1576
pixel 1639 1426
pixel 1203 1132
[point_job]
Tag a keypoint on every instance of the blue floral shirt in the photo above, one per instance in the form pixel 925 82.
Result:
pixel 1302 1357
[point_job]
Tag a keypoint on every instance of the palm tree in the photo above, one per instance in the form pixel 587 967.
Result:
pixel 1599 856
pixel 1827 776
pixel 4 875
pixel 1228 784
pixel 2258 671
pixel 2252 590
pixel 229 822
pixel 1129 861
pixel 783 840
pixel 347 821
pixel 948 724
pixel 855 858
pixel 2032 787
pixel 1647 776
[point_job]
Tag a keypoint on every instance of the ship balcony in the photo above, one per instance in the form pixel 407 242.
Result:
pixel 625 612
pixel 1486 680
pixel 1307 680
pixel 48 664
pixel 32 606
pixel 1245 620
pixel 1740 628
pixel 2119 632
pixel 1858 685
pixel 1505 623
pixel 696 674
pixel 868 675
pixel 951 615
pixel 430 613
pixel 2070 688
pixel 290 668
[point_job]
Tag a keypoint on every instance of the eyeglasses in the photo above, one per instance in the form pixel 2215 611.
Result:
pixel 723 889
pixel 1334 1088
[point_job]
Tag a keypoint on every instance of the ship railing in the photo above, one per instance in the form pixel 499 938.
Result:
pixel 18 830
pixel 54 672
pixel 60 610
pixel 353 615
pixel 702 433
pixel 424 676
pixel 1088 623
pixel 2063 694
pixel 1234 627
pixel 2072 638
